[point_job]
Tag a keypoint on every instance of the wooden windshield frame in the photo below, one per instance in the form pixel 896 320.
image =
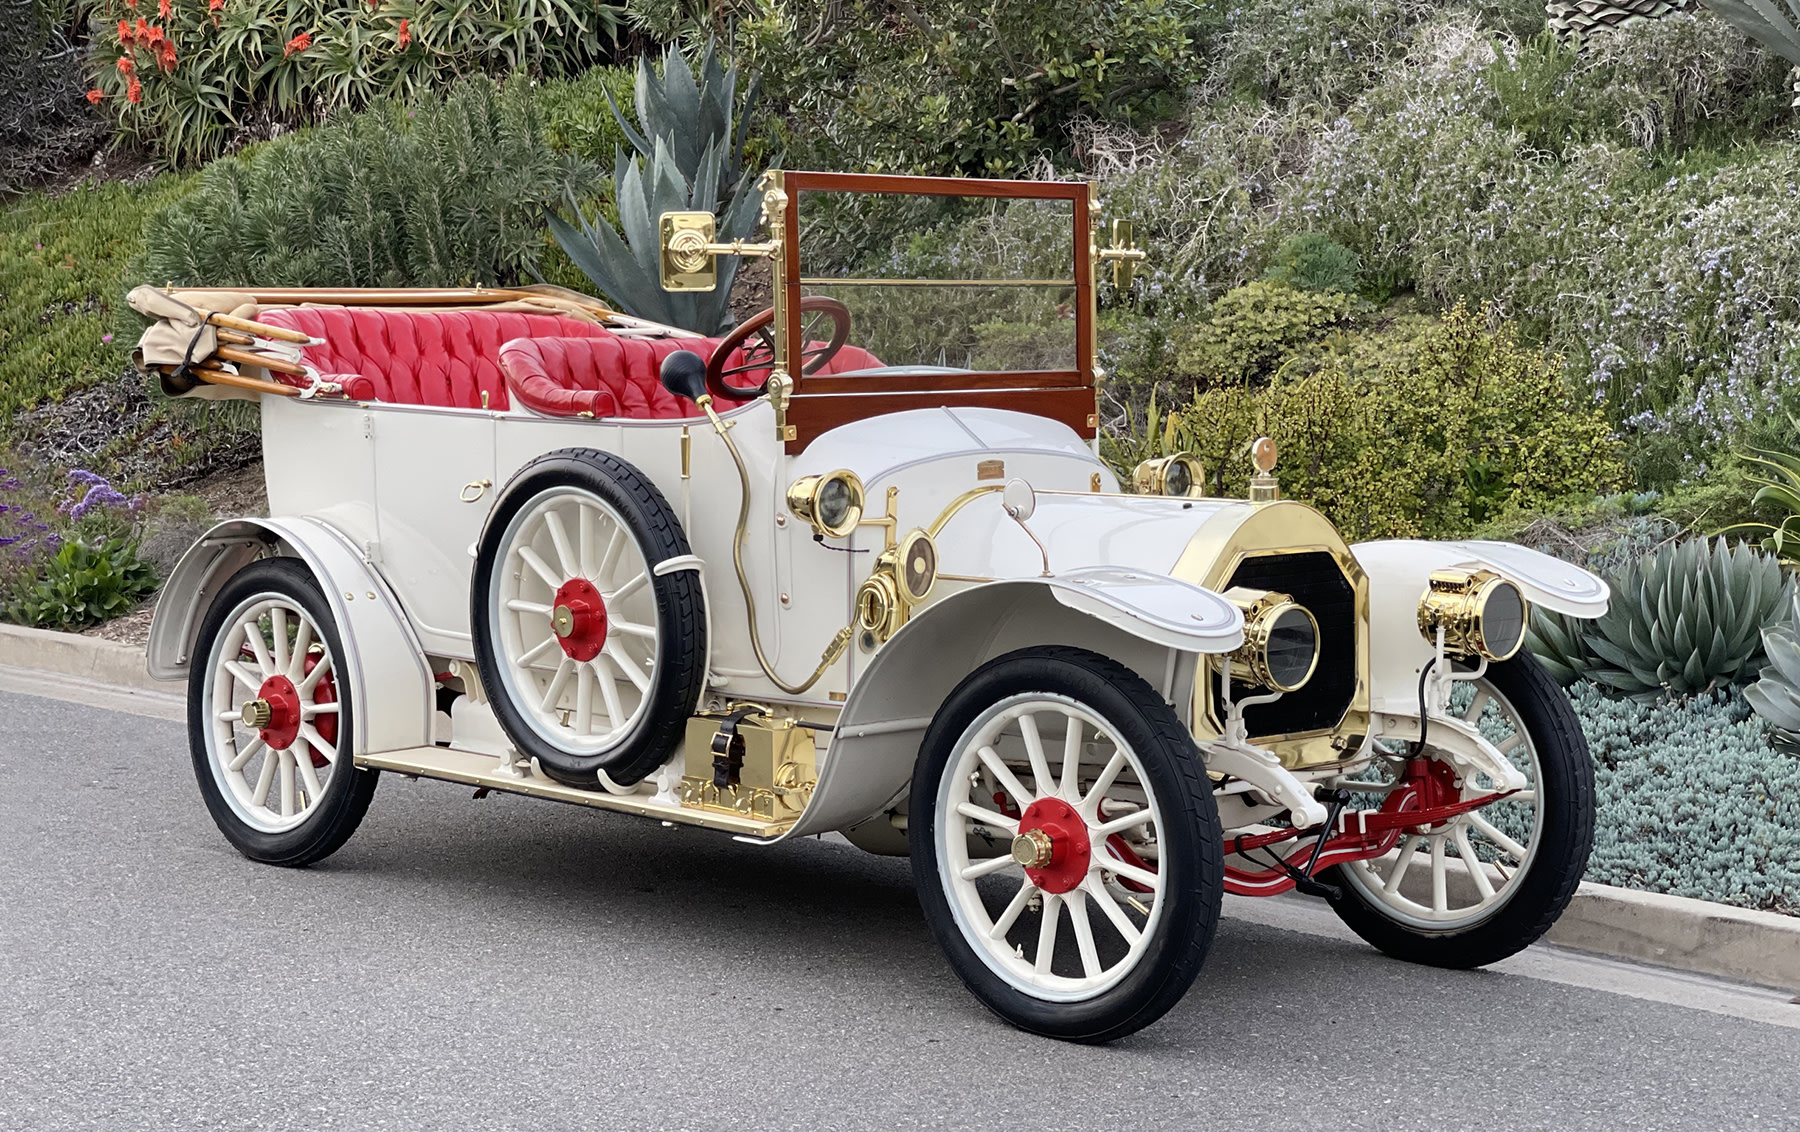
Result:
pixel 820 403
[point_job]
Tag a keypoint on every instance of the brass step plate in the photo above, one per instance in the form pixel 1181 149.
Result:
pixel 472 769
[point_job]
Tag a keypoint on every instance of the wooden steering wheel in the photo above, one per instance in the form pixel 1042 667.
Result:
pixel 757 341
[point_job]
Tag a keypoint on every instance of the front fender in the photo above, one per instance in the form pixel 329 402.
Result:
pixel 1398 571
pixel 383 660
pixel 1153 624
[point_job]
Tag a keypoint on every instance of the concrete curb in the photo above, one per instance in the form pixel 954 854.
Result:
pixel 1666 931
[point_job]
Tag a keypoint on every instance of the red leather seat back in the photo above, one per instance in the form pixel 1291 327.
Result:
pixel 617 376
pixel 411 357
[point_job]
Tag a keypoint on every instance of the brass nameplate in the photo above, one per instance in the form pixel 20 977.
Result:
pixel 991 470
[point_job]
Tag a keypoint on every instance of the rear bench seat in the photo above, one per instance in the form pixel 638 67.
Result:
pixel 476 359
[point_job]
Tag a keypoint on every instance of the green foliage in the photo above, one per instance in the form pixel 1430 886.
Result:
pixel 1531 91
pixel 946 86
pixel 578 117
pixel 1318 52
pixel 1466 425
pixel 689 153
pixel 1560 645
pixel 1254 328
pixel 1765 23
pixel 1778 485
pixel 207 78
pixel 450 192
pixel 1691 800
pixel 84 584
pixel 1776 695
pixel 1311 261
pixel 65 265
pixel 1685 619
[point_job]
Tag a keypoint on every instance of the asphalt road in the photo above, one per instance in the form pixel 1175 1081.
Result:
pixel 516 964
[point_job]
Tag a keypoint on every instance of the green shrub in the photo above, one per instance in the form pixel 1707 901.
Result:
pixel 450 192
pixel 208 76
pixel 1323 52
pixel 578 118
pixel 86 583
pixel 1776 694
pixel 1315 262
pixel 1473 424
pixel 1254 328
pixel 1692 800
pixel 945 86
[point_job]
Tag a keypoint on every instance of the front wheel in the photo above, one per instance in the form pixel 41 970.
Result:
pixel 1481 886
pixel 1066 845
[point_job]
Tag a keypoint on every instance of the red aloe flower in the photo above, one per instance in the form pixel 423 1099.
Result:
pixel 405 35
pixel 156 36
pixel 95 95
pixel 132 4
pixel 134 93
pixel 142 35
pixel 298 44
pixel 165 55
pixel 124 33
pixel 162 6
pixel 125 65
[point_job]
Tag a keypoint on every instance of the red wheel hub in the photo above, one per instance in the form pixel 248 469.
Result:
pixel 579 619
pixel 1053 845
pixel 277 719
pixel 326 724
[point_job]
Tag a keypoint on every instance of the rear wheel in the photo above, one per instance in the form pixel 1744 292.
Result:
pixel 1484 885
pixel 1066 845
pixel 270 720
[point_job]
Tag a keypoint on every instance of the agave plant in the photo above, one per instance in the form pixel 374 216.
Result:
pixel 1584 16
pixel 1776 696
pixel 689 157
pixel 1686 618
pixel 1560 645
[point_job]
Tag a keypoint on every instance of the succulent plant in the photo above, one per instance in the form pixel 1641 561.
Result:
pixel 1560 645
pixel 1582 17
pixel 1776 696
pixel 1686 618
pixel 688 158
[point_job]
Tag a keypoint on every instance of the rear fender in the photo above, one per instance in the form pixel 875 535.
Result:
pixel 1134 617
pixel 383 661
pixel 1398 571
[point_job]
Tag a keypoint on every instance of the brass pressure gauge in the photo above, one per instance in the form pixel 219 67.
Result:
pixel 917 565
pixel 878 605
pixel 832 503
pixel 1281 641
pixel 1178 475
pixel 1481 613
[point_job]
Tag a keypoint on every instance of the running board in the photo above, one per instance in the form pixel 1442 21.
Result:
pixel 472 769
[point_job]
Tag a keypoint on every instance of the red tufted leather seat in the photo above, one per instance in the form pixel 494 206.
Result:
pixel 411 357
pixel 617 376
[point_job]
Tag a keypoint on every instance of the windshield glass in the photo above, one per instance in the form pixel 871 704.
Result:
pixel 981 284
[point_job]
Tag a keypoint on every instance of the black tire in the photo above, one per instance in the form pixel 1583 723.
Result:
pixel 1191 866
pixel 345 798
pixel 680 645
pixel 1559 858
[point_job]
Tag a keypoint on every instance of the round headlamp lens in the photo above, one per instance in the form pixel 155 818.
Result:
pixel 1503 620
pixel 835 500
pixel 1178 478
pixel 1293 648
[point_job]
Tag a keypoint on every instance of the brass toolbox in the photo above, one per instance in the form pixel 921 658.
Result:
pixel 770 767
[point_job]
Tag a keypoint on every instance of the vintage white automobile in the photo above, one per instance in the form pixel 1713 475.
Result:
pixel 857 568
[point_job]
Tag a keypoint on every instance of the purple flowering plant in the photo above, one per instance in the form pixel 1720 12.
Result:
pixel 71 562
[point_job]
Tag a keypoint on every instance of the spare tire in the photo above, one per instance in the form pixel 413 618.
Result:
pixel 592 662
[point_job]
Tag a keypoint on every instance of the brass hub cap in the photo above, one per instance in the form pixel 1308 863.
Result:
pixel 1032 848
pixel 256 714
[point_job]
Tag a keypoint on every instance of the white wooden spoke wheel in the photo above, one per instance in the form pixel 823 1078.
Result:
pixel 1049 848
pixel 577 621
pixel 1066 844
pixel 271 719
pixel 1460 871
pixel 593 658
pixel 274 713
pixel 1478 887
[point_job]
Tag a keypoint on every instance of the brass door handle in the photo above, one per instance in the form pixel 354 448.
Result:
pixel 474 490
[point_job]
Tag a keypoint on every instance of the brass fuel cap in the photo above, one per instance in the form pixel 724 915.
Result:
pixel 256 714
pixel 562 620
pixel 1032 849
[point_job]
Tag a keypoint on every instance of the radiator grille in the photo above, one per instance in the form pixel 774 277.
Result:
pixel 1313 580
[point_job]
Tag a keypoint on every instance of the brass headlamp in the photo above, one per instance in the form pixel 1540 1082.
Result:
pixel 1281 641
pixel 1177 475
pixel 832 503
pixel 1481 613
